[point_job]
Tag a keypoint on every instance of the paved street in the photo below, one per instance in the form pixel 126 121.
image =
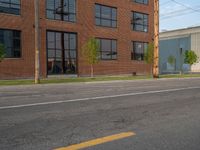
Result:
pixel 159 115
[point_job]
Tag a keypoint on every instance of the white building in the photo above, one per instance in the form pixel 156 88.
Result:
pixel 175 43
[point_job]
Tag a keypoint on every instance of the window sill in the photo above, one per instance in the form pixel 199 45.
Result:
pixel 9 14
pixel 7 59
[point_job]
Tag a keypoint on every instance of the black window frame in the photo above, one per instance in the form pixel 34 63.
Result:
pixel 102 18
pixel 145 2
pixel 9 9
pixel 133 24
pixel 62 16
pixel 133 51
pixel 14 49
pixel 108 51
pixel 66 49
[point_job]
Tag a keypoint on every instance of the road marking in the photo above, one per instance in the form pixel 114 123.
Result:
pixel 100 97
pixel 98 141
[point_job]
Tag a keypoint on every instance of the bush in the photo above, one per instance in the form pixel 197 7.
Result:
pixel 171 60
pixel 190 57
pixel 2 52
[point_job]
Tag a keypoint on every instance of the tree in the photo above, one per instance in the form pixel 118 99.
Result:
pixel 149 55
pixel 91 53
pixel 190 57
pixel 171 60
pixel 2 52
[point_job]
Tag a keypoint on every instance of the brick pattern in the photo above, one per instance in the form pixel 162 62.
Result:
pixel 85 28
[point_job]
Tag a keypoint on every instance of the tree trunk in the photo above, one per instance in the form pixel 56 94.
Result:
pixel 92 71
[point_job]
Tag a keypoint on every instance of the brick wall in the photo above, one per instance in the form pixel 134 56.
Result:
pixel 85 28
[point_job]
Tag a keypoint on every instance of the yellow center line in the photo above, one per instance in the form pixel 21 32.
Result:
pixel 98 141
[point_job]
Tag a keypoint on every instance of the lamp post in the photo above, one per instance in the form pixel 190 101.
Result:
pixel 37 51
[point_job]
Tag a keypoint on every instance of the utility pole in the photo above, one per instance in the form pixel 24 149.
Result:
pixel 156 40
pixel 37 51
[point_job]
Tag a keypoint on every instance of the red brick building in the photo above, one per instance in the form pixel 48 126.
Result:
pixel 123 28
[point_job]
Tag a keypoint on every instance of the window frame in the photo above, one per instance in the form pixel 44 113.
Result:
pixel 20 38
pixel 100 18
pixel 61 15
pixel 111 49
pixel 133 52
pixel 143 25
pixel 57 49
pixel 137 1
pixel 11 3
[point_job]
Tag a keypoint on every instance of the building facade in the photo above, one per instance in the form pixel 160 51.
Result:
pixel 175 43
pixel 122 27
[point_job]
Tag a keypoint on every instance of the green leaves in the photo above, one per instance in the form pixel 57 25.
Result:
pixel 91 51
pixel 171 60
pixel 149 54
pixel 2 52
pixel 190 57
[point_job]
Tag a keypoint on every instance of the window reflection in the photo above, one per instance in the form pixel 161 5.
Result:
pixel 105 16
pixel 10 6
pixel 61 48
pixel 108 49
pixel 64 10
pixel 140 22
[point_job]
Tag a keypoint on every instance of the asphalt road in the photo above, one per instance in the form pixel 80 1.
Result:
pixel 163 115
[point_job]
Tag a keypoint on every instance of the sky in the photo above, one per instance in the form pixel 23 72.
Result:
pixel 177 14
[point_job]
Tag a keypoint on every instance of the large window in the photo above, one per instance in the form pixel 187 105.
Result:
pixel 138 50
pixel 64 10
pixel 11 41
pixel 139 22
pixel 141 1
pixel 105 16
pixel 10 6
pixel 108 49
pixel 61 49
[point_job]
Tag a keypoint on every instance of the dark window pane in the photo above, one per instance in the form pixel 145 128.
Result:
pixel 114 24
pixel 58 41
pixel 50 14
pixel 108 49
pixel 98 21
pixel 12 42
pixel 51 40
pixel 64 10
pixel 105 16
pixel 141 1
pixel 138 51
pixel 106 12
pixel 10 6
pixel 98 11
pixel 140 22
pixel 60 53
pixel 72 41
pixel 106 23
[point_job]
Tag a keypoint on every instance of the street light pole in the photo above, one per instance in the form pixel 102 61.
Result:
pixel 37 51
pixel 156 40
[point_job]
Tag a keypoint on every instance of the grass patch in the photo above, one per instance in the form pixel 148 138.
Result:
pixel 179 75
pixel 86 79
pixel 71 80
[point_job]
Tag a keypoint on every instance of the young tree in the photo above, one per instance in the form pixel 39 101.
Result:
pixel 2 52
pixel 171 60
pixel 190 57
pixel 149 55
pixel 91 53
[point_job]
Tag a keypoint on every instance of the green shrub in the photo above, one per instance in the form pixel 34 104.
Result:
pixel 2 52
pixel 190 57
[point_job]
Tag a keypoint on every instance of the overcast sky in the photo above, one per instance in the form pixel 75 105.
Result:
pixel 175 16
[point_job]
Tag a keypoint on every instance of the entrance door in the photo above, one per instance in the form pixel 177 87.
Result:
pixel 61 50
